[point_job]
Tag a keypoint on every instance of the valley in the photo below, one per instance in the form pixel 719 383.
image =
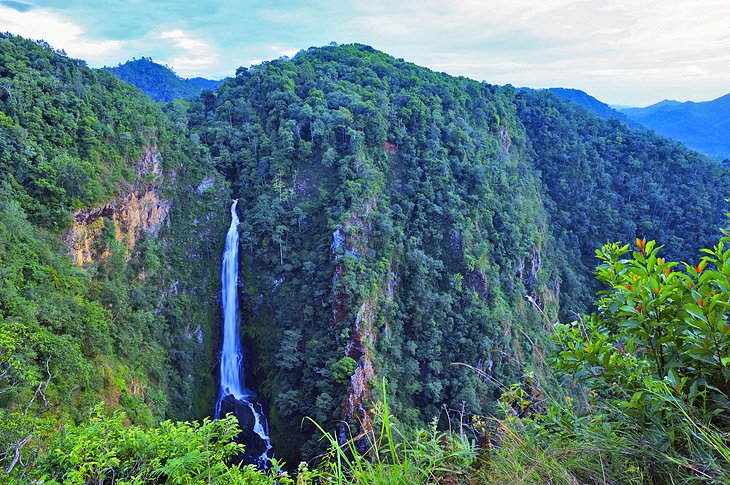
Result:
pixel 406 250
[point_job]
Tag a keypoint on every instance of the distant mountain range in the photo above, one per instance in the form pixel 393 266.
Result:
pixel 160 82
pixel 703 126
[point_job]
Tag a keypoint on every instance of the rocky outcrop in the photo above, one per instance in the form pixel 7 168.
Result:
pixel 351 238
pixel 243 411
pixel 528 270
pixel 137 211
pixel 359 348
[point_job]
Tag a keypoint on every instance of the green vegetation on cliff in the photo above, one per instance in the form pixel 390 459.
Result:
pixel 604 182
pixel 91 167
pixel 395 223
pixel 400 217
pixel 389 214
pixel 652 406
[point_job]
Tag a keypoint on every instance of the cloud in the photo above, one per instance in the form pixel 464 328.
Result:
pixel 58 31
pixel 191 55
pixel 593 44
pixel 622 51
pixel 277 50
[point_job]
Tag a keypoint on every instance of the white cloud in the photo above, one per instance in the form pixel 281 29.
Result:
pixel 276 50
pixel 648 47
pixel 61 33
pixel 621 51
pixel 192 55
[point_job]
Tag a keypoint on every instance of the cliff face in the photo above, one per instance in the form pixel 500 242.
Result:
pixel 352 238
pixel 390 226
pixel 138 210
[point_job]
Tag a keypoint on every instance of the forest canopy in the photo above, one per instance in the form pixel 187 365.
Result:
pixel 396 224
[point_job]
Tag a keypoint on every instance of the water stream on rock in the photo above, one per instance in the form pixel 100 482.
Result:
pixel 234 396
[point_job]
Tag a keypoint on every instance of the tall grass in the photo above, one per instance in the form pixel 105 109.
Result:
pixel 391 456
pixel 566 445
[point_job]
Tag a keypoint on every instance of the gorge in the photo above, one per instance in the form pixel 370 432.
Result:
pixel 387 222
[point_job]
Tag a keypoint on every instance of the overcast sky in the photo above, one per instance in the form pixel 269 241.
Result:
pixel 631 52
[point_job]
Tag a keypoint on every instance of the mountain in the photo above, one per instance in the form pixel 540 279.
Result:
pixel 396 220
pixel 599 108
pixel 702 126
pixel 407 240
pixel 159 82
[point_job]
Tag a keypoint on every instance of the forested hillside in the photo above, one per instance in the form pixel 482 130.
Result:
pixel 606 182
pixel 108 248
pixel 397 225
pixel 597 107
pixel 392 226
pixel 399 218
pixel 160 82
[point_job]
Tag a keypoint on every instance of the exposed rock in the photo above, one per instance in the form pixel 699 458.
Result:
pixel 205 185
pixel 255 446
pixel 528 269
pixel 138 210
pixel 478 282
pixel 353 239
pixel 358 347
pixel 504 138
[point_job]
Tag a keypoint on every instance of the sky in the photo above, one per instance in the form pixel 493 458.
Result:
pixel 625 52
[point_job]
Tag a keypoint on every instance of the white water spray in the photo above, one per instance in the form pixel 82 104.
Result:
pixel 231 379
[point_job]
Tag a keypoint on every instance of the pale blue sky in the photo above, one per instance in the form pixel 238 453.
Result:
pixel 633 52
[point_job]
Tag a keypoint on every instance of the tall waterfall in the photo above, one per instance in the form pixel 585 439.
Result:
pixel 231 378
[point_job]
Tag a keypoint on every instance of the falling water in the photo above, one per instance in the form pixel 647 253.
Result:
pixel 231 379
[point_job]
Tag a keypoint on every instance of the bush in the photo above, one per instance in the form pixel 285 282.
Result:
pixel 654 364
pixel 106 450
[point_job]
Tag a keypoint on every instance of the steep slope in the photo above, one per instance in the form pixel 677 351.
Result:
pixel 703 126
pixel 160 82
pixel 394 223
pixel 391 225
pixel 108 248
pixel 605 182
pixel 397 221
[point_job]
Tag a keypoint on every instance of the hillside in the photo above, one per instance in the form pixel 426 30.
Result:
pixel 107 249
pixel 606 182
pixel 597 107
pixel 408 241
pixel 160 82
pixel 702 126
pixel 386 199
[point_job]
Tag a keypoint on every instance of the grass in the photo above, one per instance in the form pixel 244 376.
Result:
pixel 563 446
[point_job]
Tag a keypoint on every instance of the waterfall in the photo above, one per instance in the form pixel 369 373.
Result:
pixel 231 377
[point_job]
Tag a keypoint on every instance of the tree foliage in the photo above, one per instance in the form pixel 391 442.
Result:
pixel 124 328
pixel 160 82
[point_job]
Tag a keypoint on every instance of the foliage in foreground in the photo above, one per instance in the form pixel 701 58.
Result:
pixel 654 364
pixel 652 407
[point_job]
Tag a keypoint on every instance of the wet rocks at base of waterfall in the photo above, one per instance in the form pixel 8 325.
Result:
pixel 255 446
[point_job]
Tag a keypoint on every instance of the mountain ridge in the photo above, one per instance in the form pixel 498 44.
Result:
pixel 394 221
pixel 158 81
pixel 593 104
pixel 702 126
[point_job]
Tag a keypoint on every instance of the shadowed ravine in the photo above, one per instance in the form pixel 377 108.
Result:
pixel 234 397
